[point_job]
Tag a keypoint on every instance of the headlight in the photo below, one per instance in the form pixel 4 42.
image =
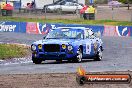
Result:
pixel 63 46
pixel 33 47
pixel 70 47
pixel 39 46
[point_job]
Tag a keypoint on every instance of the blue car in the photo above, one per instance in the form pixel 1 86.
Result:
pixel 72 44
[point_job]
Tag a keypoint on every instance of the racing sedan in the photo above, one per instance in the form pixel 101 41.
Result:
pixel 72 44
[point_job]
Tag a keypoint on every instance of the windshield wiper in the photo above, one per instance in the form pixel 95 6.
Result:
pixel 52 38
pixel 75 38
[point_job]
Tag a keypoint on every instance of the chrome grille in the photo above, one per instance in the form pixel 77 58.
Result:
pixel 52 48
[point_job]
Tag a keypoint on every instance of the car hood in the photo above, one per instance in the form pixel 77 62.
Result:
pixel 57 41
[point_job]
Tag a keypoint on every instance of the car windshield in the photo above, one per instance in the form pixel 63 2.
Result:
pixel 65 34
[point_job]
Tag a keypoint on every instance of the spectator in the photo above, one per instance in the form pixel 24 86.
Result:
pixel 89 13
pixel 28 5
pixel 32 4
pixel 82 11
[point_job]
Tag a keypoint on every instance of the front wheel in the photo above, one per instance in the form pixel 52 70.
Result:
pixel 99 55
pixel 77 11
pixel 59 61
pixel 59 10
pixel 79 56
pixel 36 60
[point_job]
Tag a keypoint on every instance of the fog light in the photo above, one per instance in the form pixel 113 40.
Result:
pixel 63 46
pixel 39 46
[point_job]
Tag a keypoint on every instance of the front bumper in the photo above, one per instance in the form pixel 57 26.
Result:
pixel 53 55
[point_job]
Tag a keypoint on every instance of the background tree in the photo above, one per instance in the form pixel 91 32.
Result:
pixel 126 1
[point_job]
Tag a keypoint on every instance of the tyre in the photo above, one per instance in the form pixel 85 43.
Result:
pixel 70 60
pixel 79 56
pixel 59 10
pixel 76 11
pixel 36 60
pixel 99 55
pixel 59 61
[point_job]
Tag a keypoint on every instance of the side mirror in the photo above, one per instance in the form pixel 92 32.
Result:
pixel 44 37
pixel 98 34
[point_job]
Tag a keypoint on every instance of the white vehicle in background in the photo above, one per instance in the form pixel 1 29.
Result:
pixel 114 3
pixel 65 7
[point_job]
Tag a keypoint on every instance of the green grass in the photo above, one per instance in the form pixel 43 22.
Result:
pixel 8 51
pixel 68 21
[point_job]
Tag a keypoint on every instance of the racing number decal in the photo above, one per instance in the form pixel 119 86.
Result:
pixel 88 48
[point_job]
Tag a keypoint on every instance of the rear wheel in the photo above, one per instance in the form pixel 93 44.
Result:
pixel 59 10
pixel 99 55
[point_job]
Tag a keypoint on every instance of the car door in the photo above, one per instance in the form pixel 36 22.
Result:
pixel 68 7
pixel 91 43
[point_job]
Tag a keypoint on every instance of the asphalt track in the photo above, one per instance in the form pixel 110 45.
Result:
pixel 117 56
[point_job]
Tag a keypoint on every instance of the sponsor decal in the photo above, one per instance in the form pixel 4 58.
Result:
pixel 110 31
pixel 123 31
pixel 83 78
pixel 7 28
pixel 44 28
pixel 10 26
pixel 37 28
pixel 32 28
pixel 88 48
pixel 116 31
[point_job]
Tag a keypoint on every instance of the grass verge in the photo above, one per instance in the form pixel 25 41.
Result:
pixel 67 21
pixel 8 51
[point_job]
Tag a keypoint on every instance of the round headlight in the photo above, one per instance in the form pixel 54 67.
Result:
pixel 33 47
pixel 69 47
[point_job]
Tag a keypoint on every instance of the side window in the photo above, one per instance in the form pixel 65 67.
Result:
pixel 67 4
pixel 75 4
pixel 71 4
pixel 62 3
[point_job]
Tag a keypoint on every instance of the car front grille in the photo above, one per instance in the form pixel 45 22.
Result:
pixel 52 48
